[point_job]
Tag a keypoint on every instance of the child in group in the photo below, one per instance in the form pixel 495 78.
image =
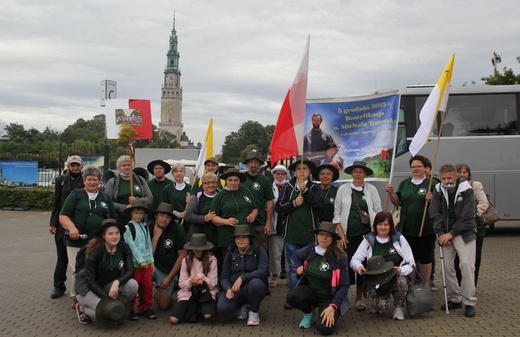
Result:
pixel 137 236
pixel 198 282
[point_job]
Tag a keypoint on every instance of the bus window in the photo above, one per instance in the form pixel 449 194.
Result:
pixel 401 146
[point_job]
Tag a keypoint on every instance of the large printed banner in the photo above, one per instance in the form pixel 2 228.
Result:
pixel 19 173
pixel 340 131
pixel 136 112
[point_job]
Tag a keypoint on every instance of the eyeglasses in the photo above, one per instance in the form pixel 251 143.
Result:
pixel 209 182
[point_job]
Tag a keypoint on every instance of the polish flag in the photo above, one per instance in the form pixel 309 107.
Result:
pixel 135 112
pixel 287 138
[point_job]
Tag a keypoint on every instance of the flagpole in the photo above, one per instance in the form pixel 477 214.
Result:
pixel 432 171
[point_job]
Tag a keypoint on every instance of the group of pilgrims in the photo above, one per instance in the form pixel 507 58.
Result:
pixel 215 247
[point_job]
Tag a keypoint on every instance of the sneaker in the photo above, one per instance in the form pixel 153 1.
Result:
pixel 374 311
pixel 253 318
pixel 273 282
pixel 306 321
pixel 242 312
pixel 398 314
pixel 150 314
pixel 58 292
pixel 132 316
pixel 82 317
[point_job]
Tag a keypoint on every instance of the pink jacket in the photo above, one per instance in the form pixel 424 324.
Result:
pixel 211 279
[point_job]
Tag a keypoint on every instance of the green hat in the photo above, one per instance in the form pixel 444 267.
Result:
pixel 243 230
pixel 139 203
pixel 233 172
pixel 112 312
pixel 165 208
pixel 107 223
pixel 198 241
pixel 254 155
pixel 328 227
pixel 211 160
pixel 360 164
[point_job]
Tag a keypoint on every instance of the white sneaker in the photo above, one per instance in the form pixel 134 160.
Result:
pixel 242 312
pixel 398 314
pixel 253 318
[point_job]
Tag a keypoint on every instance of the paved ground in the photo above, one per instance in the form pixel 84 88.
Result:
pixel 28 257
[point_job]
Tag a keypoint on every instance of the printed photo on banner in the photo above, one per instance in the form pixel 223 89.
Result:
pixel 134 112
pixel 340 131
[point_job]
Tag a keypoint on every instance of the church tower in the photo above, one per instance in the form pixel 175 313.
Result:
pixel 171 96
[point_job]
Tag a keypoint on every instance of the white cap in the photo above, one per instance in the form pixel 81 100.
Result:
pixel 279 168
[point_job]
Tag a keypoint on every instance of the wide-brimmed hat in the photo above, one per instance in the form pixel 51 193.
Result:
pixel 380 280
pixel 234 172
pixel 164 208
pixel 139 203
pixel 142 172
pixel 253 155
pixel 198 241
pixel 243 230
pixel 360 164
pixel 165 165
pixel 386 287
pixel 112 312
pixel 329 227
pixel 335 172
pixel 280 168
pixel 306 161
pixel 377 265
pixel 107 223
pixel 223 169
pixel 211 160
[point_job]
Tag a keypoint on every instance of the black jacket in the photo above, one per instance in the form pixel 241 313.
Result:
pixel 62 189
pixel 96 265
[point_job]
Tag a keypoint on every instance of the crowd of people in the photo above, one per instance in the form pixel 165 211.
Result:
pixel 217 246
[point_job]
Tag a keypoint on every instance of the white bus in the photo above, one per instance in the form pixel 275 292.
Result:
pixel 481 129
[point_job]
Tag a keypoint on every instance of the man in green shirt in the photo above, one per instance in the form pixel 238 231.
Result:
pixel 159 169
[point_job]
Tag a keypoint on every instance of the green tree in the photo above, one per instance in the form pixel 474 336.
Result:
pixel 249 133
pixel 508 77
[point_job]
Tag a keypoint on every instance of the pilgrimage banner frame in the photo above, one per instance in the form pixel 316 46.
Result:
pixel 362 128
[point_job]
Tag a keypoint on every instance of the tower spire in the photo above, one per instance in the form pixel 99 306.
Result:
pixel 172 57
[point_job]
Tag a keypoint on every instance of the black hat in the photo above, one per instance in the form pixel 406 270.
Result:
pixel 107 223
pixel 233 172
pixel 243 230
pixel 198 241
pixel 139 203
pixel 328 227
pixel 378 272
pixel 360 164
pixel 211 160
pixel 306 161
pixel 140 171
pixel 165 165
pixel 223 169
pixel 335 172
pixel 253 155
pixel 165 208
pixel 112 312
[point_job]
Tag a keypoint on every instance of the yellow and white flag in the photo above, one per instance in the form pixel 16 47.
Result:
pixel 436 102
pixel 206 151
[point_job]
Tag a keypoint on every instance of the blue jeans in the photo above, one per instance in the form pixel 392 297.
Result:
pixel 251 293
pixel 158 276
pixel 290 248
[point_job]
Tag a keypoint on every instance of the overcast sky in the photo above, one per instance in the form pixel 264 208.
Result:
pixel 237 58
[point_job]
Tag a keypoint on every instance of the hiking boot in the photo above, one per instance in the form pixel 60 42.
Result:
pixel 242 312
pixel 253 318
pixel 57 293
pixel 306 321
pixel 82 317
pixel 469 311
pixel 451 305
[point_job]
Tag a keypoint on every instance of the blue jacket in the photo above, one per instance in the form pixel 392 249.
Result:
pixel 253 264
pixel 340 279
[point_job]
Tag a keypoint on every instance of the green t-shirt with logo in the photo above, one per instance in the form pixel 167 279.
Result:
pixel 262 190
pixel 319 276
pixel 157 188
pixel 413 199
pixel 171 241
pixel 387 251
pixel 87 215
pixel 176 198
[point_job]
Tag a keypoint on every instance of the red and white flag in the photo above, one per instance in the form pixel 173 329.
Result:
pixel 287 138
pixel 135 112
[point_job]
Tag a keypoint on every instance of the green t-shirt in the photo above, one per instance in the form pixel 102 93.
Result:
pixel 208 228
pixel 319 276
pixel 329 195
pixel 176 198
pixel 171 241
pixel 237 204
pixel 157 187
pixel 122 198
pixel 355 227
pixel 387 251
pixel 262 191
pixel 413 199
pixel 115 266
pixel 87 215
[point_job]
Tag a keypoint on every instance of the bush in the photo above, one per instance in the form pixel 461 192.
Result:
pixel 39 197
